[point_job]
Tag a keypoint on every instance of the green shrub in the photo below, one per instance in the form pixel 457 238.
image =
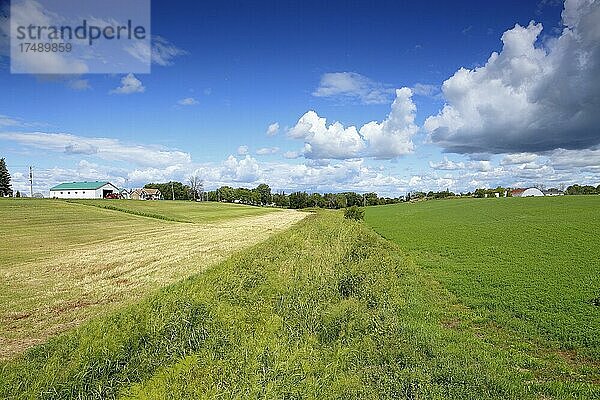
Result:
pixel 354 213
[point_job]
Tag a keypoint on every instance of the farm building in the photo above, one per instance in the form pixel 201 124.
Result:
pixel 553 192
pixel 517 192
pixel 146 194
pixel 84 190
pixel 125 194
pixel 532 192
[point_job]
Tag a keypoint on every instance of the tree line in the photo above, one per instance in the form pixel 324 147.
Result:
pixel 575 190
pixel 262 195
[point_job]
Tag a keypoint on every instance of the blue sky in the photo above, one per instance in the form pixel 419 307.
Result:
pixel 226 71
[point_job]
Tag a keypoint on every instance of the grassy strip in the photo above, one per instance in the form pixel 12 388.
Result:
pixel 327 309
pixel 129 211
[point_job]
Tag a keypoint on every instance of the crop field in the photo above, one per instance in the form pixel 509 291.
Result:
pixel 62 263
pixel 179 211
pixel 326 309
pixel 529 267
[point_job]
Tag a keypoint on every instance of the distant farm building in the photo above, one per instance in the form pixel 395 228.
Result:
pixel 146 194
pixel 532 192
pixel 553 192
pixel 84 190
pixel 125 194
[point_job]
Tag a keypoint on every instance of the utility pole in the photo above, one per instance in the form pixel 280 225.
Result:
pixel 31 181
pixel 173 190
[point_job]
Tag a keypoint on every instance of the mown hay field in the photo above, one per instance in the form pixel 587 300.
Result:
pixel 529 267
pixel 180 211
pixel 62 263
pixel 327 309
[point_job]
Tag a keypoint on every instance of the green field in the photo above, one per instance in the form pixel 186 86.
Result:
pixel 327 309
pixel 529 266
pixel 62 263
pixel 454 306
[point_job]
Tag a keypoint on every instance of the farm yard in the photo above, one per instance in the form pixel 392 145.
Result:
pixel 64 262
pixel 449 299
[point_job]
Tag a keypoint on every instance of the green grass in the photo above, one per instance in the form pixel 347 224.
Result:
pixel 62 263
pixel 530 267
pixel 327 309
pixel 180 211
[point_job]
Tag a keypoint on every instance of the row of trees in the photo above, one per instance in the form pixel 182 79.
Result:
pixel 479 193
pixel 193 190
pixel 429 195
pixel 262 195
pixel 579 190
pixel 172 190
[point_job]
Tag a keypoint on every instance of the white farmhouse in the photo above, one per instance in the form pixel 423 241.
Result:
pixel 83 190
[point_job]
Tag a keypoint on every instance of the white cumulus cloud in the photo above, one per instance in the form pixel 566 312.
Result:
pixel 528 97
pixel 243 170
pixel 382 140
pixel 326 141
pixel 129 84
pixel 392 137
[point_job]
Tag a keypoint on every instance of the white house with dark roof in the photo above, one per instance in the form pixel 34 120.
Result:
pixel 83 190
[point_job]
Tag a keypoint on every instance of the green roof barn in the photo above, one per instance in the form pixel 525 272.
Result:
pixel 84 190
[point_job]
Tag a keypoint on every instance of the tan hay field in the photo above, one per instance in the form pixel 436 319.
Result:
pixel 52 282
